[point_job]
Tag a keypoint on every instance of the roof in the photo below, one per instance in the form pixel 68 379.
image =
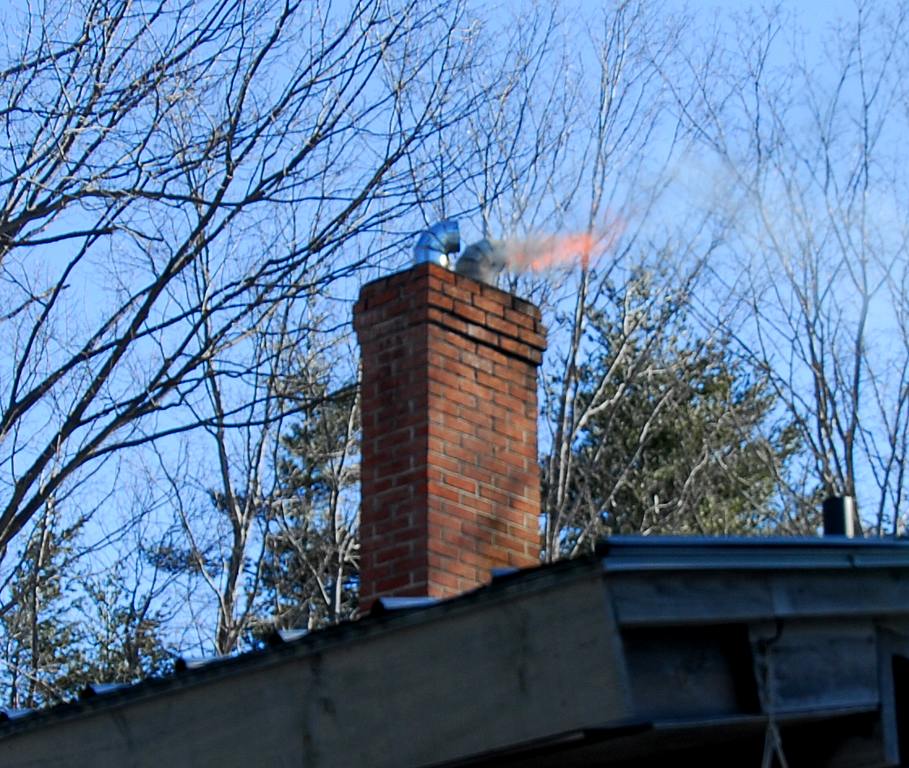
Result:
pixel 647 644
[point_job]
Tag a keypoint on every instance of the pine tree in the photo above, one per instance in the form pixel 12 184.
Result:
pixel 38 632
pixel 61 631
pixel 688 440
pixel 309 576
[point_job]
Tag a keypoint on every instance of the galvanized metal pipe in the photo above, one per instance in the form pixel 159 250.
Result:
pixel 437 242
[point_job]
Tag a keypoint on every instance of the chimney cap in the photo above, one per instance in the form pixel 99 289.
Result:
pixel 435 243
pixel 482 261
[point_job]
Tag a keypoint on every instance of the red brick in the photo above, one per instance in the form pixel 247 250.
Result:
pixel 440 301
pixel 504 327
pixel 463 483
pixel 449 432
pixel 458 292
pixel 476 560
pixel 399 584
pixel 479 474
pixel 481 333
pixel 470 313
pixel 447 320
pixel 452 373
pixel 443 492
pixel 520 318
pixel 489 305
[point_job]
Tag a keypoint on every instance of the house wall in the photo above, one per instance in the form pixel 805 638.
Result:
pixel 536 661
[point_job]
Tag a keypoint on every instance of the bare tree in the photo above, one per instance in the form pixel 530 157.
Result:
pixel 312 546
pixel 598 156
pixel 576 156
pixel 227 483
pixel 809 160
pixel 140 139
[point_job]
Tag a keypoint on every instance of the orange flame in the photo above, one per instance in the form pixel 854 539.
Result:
pixel 540 253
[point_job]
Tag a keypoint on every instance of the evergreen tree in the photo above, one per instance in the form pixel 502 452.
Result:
pixel 61 631
pixel 684 439
pixel 38 632
pixel 122 632
pixel 309 574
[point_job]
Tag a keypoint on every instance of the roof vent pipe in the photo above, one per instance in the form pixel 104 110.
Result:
pixel 482 261
pixel 839 516
pixel 436 243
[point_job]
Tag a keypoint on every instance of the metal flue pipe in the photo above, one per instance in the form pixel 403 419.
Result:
pixel 436 243
pixel 839 516
pixel 483 261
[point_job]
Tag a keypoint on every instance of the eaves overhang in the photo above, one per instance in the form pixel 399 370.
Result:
pixel 646 644
pixel 677 553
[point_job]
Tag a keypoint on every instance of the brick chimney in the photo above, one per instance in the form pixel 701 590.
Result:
pixel 450 481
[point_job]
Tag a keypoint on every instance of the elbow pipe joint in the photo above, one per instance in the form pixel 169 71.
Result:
pixel 436 243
